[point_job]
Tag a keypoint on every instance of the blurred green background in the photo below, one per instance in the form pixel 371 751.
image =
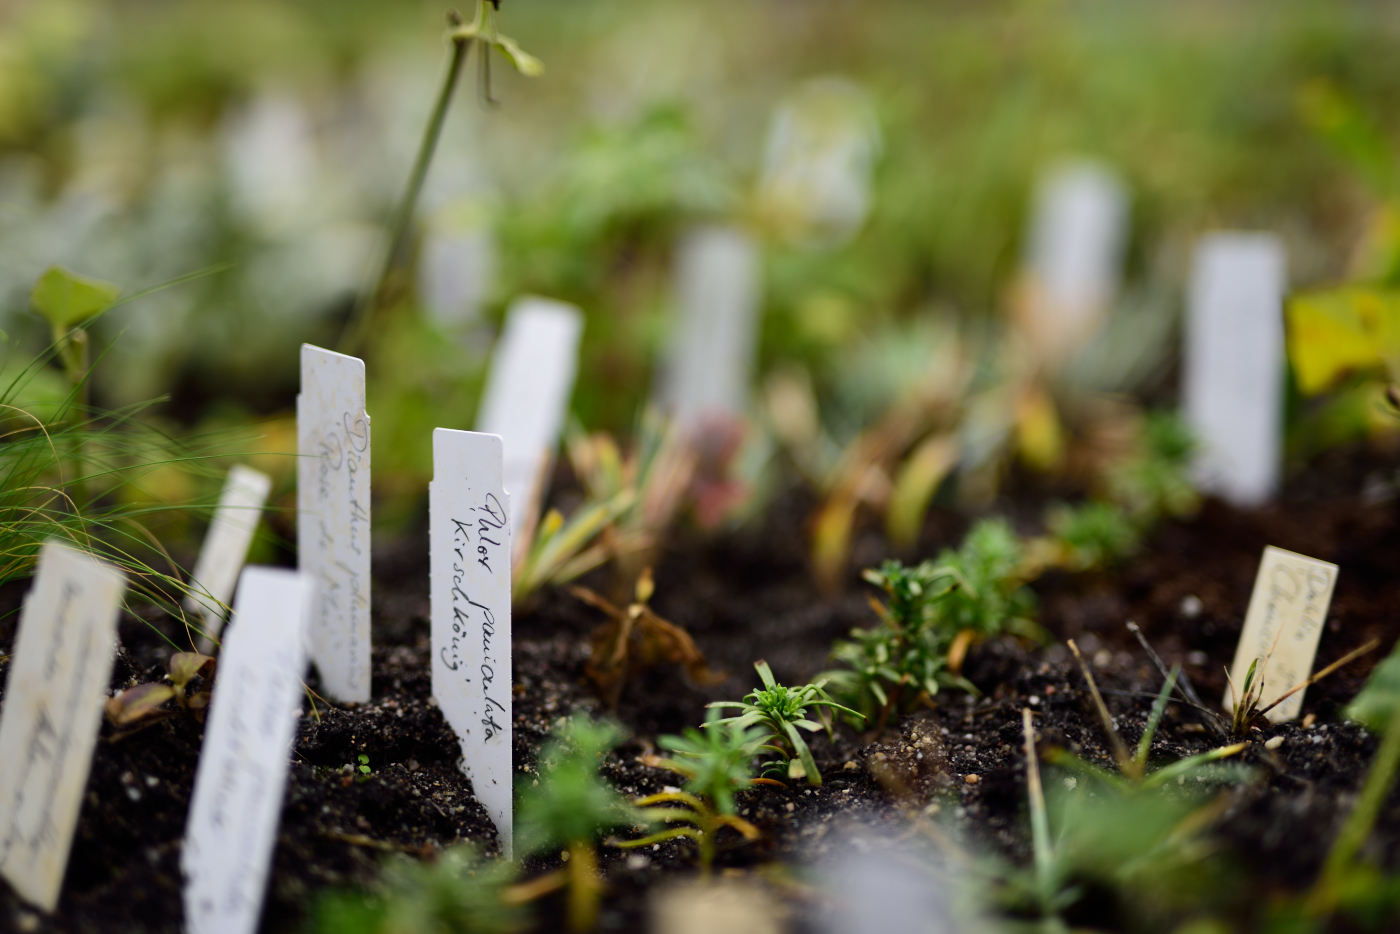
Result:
pixel 144 139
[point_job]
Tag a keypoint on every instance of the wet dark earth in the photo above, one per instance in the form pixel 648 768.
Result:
pixel 957 769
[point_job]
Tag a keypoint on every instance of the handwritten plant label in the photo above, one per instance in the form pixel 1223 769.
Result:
pixel 226 547
pixel 527 396
pixel 718 292
pixel 333 517
pixel 1078 235
pixel 469 525
pixel 238 787
pixel 53 708
pixel 1286 612
pixel 1232 381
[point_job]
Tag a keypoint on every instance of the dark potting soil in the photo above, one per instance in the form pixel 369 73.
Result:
pixel 959 765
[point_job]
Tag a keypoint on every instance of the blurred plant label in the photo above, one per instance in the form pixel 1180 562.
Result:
pixel 1075 256
pixel 469 525
pixel 242 773
pixel 717 294
pixel 527 396
pixel 1232 383
pixel 1286 612
pixel 226 547
pixel 333 517
pixel 52 710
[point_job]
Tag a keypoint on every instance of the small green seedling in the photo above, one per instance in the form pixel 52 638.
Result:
pixel 1248 715
pixel 139 707
pixel 363 767
pixel 716 763
pixel 569 806
pixel 1092 535
pixel 458 891
pixel 781 711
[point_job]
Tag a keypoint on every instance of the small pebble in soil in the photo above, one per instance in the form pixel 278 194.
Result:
pixel 1034 700
pixel 637 862
pixel 1274 743
pixel 1191 606
pixel 971 779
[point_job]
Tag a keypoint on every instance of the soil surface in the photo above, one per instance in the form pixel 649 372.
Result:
pixel 958 766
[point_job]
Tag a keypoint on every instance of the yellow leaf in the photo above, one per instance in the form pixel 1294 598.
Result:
pixel 918 479
pixel 1336 332
pixel 1039 434
pixel 66 299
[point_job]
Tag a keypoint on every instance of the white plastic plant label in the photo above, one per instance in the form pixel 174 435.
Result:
pixel 242 773
pixel 1232 380
pixel 226 547
pixel 717 293
pixel 469 524
pixel 333 517
pixel 1286 613
pixel 527 395
pixel 1078 234
pixel 53 708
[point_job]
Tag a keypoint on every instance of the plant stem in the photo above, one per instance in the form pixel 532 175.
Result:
pixel 584 887
pixel 1359 822
pixel 1040 821
pixel 358 325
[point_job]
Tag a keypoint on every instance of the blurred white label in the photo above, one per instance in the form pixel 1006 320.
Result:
pixel 822 146
pixel 471 553
pixel 1232 386
pixel 1077 238
pixel 333 517
pixel 242 773
pixel 527 396
pixel 717 291
pixel 1286 612
pixel 53 707
pixel 226 547
pixel 454 275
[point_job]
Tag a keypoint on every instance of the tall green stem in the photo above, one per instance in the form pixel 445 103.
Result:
pixel 358 325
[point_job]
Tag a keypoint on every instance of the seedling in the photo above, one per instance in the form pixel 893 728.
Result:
pixel 636 639
pixel 139 707
pixel 1248 715
pixel 569 806
pixel 716 763
pixel 933 613
pixel 558 550
pixel 1092 535
pixel 457 891
pixel 780 712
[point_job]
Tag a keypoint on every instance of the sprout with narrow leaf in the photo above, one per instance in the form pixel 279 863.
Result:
pixel 781 712
pixel 716 763
pixel 570 806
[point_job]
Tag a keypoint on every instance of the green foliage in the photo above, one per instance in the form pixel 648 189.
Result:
pixel 1155 482
pixel 1093 535
pixel 715 761
pixel 570 804
pixel 973 592
pixel 457 893
pixel 66 300
pixel 780 712
pixel 990 597
pixel 1375 704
